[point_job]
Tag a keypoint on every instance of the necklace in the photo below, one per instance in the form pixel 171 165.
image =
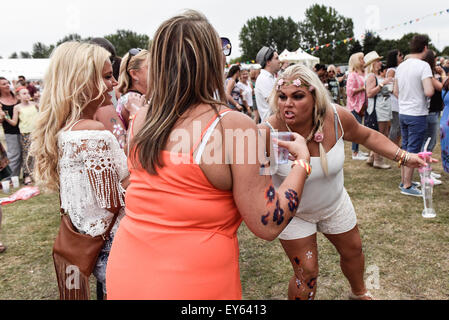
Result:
pixel 309 138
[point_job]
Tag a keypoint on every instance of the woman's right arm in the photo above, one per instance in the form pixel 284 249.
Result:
pixel 265 210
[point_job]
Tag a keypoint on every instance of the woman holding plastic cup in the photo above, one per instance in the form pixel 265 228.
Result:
pixel 302 105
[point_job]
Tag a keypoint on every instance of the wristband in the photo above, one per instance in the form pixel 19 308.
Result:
pixel 305 165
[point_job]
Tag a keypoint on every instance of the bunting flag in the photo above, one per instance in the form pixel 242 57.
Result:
pixel 348 40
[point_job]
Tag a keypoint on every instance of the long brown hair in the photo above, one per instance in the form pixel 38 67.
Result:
pixel 185 70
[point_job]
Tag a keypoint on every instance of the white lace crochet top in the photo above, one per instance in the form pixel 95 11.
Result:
pixel 91 167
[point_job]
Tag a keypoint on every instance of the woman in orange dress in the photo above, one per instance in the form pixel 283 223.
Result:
pixel 194 178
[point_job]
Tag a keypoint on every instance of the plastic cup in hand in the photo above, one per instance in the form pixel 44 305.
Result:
pixel 280 153
pixel 427 186
pixel 5 186
pixel 15 182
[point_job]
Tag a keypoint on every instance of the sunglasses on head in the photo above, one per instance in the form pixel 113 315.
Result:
pixel 226 46
pixel 132 52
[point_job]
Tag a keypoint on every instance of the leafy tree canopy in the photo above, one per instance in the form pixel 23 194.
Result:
pixel 324 25
pixel 123 40
pixel 278 33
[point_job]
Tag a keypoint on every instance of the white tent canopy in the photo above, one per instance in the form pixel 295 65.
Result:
pixel 32 69
pixel 299 56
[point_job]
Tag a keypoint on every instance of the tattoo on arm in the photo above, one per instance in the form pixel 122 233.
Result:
pixel 278 214
pixel 293 200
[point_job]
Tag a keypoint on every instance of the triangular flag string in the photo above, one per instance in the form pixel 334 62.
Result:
pixel 348 40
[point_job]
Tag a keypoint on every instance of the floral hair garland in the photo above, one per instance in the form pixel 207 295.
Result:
pixel 297 82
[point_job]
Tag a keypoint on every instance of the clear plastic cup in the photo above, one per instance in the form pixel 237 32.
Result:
pixel 280 153
pixel 5 186
pixel 15 182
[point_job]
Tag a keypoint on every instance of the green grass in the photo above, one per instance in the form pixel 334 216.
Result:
pixel 412 254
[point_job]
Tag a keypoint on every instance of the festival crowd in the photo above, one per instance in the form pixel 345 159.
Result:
pixel 153 188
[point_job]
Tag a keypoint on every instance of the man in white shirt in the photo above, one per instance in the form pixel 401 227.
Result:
pixel 413 86
pixel 269 60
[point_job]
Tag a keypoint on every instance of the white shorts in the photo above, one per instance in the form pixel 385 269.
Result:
pixel 342 220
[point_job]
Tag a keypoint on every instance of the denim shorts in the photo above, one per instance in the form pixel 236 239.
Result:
pixel 413 130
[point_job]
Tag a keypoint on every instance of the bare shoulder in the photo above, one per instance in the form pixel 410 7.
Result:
pixel 238 120
pixel 89 125
pixel 346 117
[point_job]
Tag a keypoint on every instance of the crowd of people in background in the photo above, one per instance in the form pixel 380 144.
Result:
pixel 115 133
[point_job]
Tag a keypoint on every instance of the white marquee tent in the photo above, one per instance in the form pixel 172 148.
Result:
pixel 32 69
pixel 299 56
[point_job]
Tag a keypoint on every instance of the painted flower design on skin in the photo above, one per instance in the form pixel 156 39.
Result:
pixel 117 129
pixel 265 219
pixel 312 283
pixel 309 255
pixel 319 137
pixel 278 215
pixel 270 194
pixel 293 200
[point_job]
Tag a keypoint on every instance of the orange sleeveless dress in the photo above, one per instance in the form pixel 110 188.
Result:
pixel 178 240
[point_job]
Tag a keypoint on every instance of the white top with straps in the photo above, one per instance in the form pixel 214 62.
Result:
pixel 322 194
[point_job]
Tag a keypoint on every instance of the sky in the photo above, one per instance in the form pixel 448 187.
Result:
pixel 49 21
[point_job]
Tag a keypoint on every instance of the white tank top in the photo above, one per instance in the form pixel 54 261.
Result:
pixel 322 194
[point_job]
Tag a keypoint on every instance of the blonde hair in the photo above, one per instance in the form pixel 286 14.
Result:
pixel 73 79
pixel 320 96
pixel 133 63
pixel 186 63
pixel 370 68
pixel 333 68
pixel 354 62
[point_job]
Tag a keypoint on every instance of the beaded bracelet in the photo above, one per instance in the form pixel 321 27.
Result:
pixel 304 164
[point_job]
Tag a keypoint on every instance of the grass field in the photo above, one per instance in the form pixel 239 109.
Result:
pixel 410 254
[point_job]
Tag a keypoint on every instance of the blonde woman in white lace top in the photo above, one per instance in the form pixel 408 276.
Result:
pixel 74 154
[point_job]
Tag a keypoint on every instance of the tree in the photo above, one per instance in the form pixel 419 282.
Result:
pixel 14 56
pixel 355 47
pixel 25 55
pixel 445 51
pixel 324 26
pixel 383 47
pixel 278 33
pixel 123 40
pixel 370 42
pixel 70 37
pixel 42 51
